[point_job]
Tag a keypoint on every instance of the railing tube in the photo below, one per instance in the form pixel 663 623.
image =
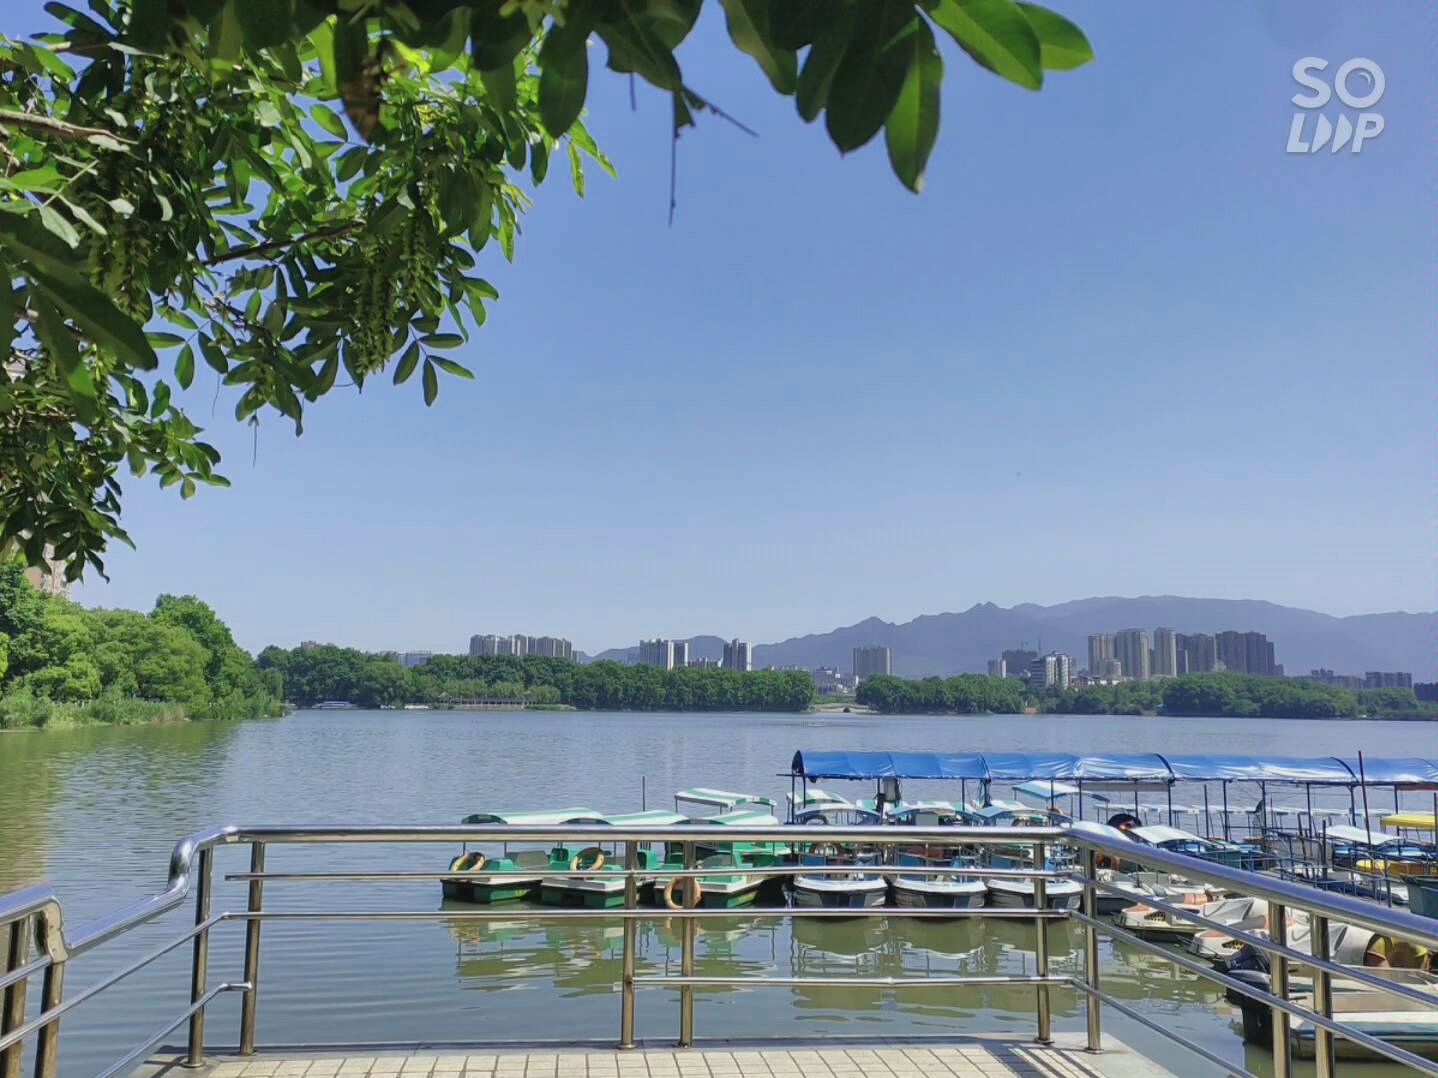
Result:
pixel 631 930
pixel 1278 986
pixel 52 992
pixel 1322 998
pixel 195 1056
pixel 1041 946
pixel 252 953
pixel 686 960
pixel 1090 951
pixel 12 1003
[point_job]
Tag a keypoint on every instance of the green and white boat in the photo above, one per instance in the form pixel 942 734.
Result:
pixel 511 875
pixel 725 890
pixel 604 889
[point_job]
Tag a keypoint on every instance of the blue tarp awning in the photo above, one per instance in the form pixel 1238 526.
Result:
pixel 1138 768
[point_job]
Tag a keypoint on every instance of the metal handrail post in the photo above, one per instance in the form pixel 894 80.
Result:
pixel 12 1003
pixel 47 1040
pixel 631 931
pixel 204 879
pixel 252 953
pixel 1322 997
pixel 1278 986
pixel 1090 950
pixel 1041 947
pixel 686 959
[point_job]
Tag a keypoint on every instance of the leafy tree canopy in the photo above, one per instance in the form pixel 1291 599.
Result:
pixel 297 193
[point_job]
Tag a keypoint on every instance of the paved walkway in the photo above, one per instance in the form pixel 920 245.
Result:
pixel 976 1057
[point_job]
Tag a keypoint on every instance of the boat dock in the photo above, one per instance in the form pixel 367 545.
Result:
pixel 965 1057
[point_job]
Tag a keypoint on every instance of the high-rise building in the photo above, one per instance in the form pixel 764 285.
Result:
pixel 1246 653
pixel 1378 679
pixel 738 656
pixel 1016 660
pixel 1052 671
pixel 998 668
pixel 1165 653
pixel 704 664
pixel 875 659
pixel 681 654
pixel 49 578
pixel 1111 670
pixel 1197 653
pixel 550 647
pixel 1130 648
pixel 1100 650
pixel 415 658
pixel 658 653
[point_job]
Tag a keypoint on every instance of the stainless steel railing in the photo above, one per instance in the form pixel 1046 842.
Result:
pixel 34 915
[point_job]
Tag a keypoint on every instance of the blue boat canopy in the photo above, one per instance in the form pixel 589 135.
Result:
pixel 1108 768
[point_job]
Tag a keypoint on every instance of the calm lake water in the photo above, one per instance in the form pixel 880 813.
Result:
pixel 96 813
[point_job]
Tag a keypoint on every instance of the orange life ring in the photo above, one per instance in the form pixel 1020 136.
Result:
pixel 669 891
pixel 596 863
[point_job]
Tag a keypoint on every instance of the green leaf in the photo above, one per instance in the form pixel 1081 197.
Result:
pixel 185 367
pixel 750 28
pixel 1062 45
pixel 442 340
pixel 870 77
pixel 912 127
pixel 499 86
pixel 327 119
pixel 265 22
pixel 149 25
pixel 349 163
pixel 822 63
pixel 407 364
pixel 563 75
pixel 214 355
pixel 576 169
pixel 449 366
pixel 164 340
pixel 539 161
pixel 431 383
pixel 996 34
pixel 226 37
pixel 495 40
pixel 55 222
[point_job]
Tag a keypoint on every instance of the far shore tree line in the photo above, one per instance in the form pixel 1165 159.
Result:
pixel 1221 694
pixel 312 675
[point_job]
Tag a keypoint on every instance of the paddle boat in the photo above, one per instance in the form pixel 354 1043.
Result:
pixel 511 875
pixel 1160 925
pixel 914 890
pixel 724 890
pixel 1175 840
pixel 1398 1020
pixel 1012 892
pixel 832 875
pixel 602 886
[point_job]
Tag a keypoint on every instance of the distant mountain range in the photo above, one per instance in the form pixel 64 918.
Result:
pixel 963 643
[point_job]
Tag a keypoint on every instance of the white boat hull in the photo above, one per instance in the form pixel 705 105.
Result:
pixel 839 892
pixel 938 893
pixel 1018 894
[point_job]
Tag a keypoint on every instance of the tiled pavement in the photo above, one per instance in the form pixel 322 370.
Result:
pixel 979 1057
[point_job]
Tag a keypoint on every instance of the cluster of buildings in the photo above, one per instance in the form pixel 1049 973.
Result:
pixel 1129 655
pixel 674 655
pixel 548 647
pixel 1373 679
pixel 1132 655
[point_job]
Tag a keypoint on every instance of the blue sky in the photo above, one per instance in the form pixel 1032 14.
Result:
pixel 1122 344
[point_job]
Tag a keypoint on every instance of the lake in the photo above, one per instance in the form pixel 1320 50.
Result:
pixel 96 812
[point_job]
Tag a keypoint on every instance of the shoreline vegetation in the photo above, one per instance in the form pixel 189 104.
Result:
pixel 1217 695
pixel 63 665
pixel 311 675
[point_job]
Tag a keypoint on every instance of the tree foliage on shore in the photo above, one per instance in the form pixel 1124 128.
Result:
pixel 1221 694
pixel 295 194
pixel 315 674
pixel 63 663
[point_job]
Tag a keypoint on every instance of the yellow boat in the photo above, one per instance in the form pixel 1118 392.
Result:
pixel 1413 821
